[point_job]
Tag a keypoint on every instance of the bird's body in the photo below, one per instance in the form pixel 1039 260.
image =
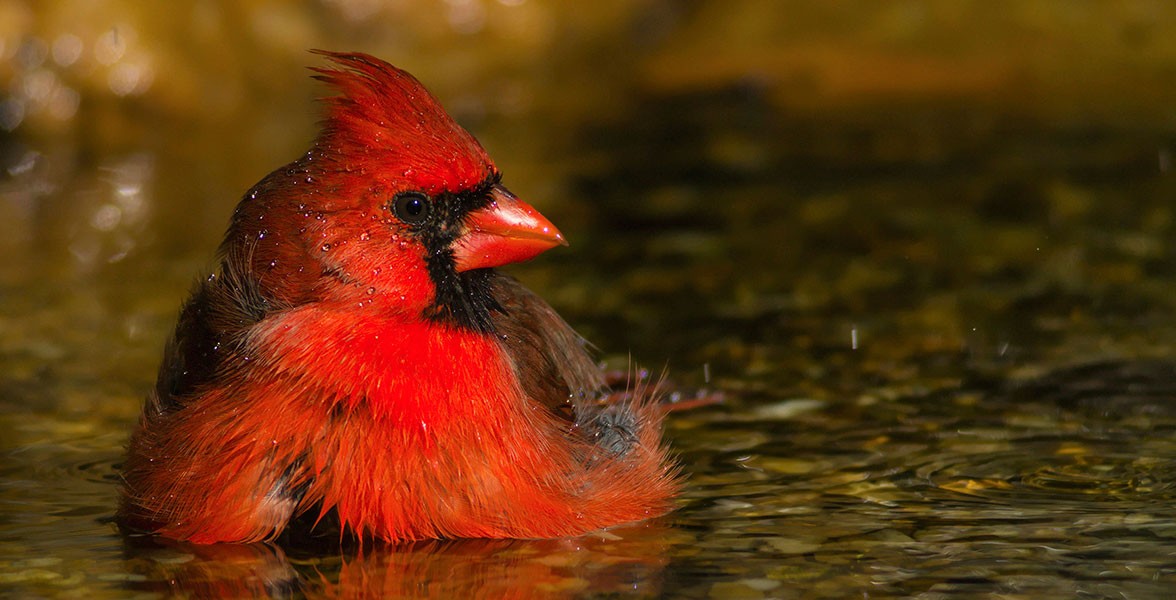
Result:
pixel 356 353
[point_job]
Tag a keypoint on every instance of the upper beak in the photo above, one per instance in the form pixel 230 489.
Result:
pixel 507 231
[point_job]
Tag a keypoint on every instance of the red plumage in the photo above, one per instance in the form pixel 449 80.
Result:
pixel 356 353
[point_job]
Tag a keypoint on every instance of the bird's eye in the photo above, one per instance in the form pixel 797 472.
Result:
pixel 411 207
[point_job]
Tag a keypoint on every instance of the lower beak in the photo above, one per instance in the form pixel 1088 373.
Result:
pixel 507 231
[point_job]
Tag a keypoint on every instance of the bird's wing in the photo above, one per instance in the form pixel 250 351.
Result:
pixel 551 361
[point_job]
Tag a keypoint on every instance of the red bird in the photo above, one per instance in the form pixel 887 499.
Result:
pixel 355 353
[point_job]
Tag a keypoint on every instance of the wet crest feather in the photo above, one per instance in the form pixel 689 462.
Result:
pixel 384 116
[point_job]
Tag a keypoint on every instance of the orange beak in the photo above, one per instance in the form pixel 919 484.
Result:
pixel 507 231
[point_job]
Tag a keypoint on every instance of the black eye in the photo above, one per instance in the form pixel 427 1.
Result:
pixel 411 207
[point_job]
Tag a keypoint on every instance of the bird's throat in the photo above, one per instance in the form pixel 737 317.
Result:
pixel 462 300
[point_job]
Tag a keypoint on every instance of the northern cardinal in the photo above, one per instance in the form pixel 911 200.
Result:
pixel 356 353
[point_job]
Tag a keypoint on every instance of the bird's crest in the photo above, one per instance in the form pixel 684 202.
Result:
pixel 384 115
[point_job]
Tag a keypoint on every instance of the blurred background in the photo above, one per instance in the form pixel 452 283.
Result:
pixel 829 210
pixel 132 130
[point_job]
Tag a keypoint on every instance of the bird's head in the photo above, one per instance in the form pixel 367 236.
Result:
pixel 394 205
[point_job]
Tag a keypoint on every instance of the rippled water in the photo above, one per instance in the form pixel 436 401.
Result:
pixel 1057 485
pixel 942 329
pixel 1052 487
